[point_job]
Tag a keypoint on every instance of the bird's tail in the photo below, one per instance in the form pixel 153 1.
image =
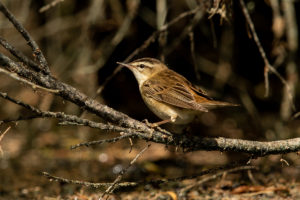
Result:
pixel 217 104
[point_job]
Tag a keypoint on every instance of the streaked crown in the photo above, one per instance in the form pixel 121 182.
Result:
pixel 144 68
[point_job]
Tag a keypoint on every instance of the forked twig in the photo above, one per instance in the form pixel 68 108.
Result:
pixel 112 187
pixel 268 66
pixel 19 55
pixel 105 186
pixel 63 117
pixel 35 48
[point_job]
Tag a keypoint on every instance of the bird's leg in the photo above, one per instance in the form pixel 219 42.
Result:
pixel 156 124
pixel 161 122
pixel 172 119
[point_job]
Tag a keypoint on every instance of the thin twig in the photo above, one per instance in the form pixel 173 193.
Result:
pixel 50 5
pixel 146 43
pixel 106 186
pixel 101 186
pixel 34 86
pixel 1 138
pixel 112 187
pixel 291 68
pixel 113 140
pixel 20 118
pixel 110 46
pixel 187 29
pixel 35 48
pixel 62 116
pixel 268 66
pixel 161 16
pixel 259 46
pixel 19 55
pixel 184 191
pixel 193 53
pixel 202 173
pixel 296 115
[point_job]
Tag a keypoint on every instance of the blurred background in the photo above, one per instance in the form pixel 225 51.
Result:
pixel 214 49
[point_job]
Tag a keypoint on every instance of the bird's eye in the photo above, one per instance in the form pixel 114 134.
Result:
pixel 142 66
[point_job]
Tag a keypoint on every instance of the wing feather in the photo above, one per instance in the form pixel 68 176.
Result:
pixel 172 89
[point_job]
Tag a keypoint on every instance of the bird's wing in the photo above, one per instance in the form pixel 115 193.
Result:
pixel 173 90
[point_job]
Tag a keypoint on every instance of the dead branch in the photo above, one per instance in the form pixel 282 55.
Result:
pixel 190 144
pixel 110 187
pixel 113 186
pixel 62 116
pixel 138 129
pixel 113 140
pixel 35 48
pixel 104 186
pixel 184 191
pixel 19 55
pixel 18 78
pixel 142 130
pixel 101 186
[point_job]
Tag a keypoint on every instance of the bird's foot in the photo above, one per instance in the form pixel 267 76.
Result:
pixel 156 126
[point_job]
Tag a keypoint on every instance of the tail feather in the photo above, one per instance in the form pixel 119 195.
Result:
pixel 217 104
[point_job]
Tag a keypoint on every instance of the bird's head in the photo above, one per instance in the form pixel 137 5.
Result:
pixel 144 68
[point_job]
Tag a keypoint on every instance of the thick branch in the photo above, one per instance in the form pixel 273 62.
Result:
pixel 142 131
pixel 64 117
pixel 69 93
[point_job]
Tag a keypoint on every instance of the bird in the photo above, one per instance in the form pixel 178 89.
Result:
pixel 169 95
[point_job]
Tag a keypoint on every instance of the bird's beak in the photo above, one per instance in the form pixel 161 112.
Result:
pixel 125 65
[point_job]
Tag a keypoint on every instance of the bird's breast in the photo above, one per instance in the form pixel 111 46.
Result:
pixel 166 111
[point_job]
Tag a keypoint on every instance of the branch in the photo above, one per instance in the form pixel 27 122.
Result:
pixel 110 187
pixel 19 55
pixel 1 138
pixel 113 140
pixel 35 48
pixel 34 86
pixel 142 131
pixel 71 94
pixel 134 127
pixel 268 66
pixel 114 185
pixel 225 169
pixel 184 191
pixel 50 5
pixel 62 116
pixel 100 186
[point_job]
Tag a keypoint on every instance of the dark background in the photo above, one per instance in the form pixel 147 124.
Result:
pixel 77 40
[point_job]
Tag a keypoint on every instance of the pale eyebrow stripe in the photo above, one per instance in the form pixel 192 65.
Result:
pixel 148 60
pixel 146 64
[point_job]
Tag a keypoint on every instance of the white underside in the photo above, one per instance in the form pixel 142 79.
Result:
pixel 166 112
